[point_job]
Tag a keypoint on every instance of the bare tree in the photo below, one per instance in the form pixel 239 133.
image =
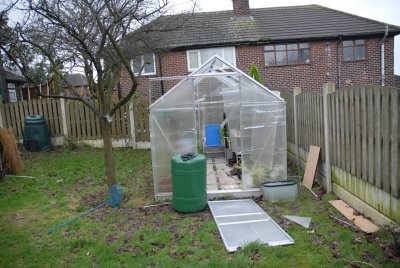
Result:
pixel 100 37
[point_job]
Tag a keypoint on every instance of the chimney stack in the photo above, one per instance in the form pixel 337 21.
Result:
pixel 241 8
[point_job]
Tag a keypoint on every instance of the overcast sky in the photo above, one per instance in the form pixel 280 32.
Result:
pixel 387 11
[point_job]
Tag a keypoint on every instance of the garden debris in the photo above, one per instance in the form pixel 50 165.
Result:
pixel 364 224
pixel 311 166
pixel 303 221
pixel 22 177
pixel 157 205
pixel 342 221
pixel 11 157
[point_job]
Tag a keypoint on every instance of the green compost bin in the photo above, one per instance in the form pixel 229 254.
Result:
pixel 36 136
pixel 189 193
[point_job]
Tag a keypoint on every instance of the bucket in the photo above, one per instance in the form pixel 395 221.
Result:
pixel 280 190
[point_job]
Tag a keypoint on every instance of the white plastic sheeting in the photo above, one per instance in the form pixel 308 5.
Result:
pixel 253 115
pixel 242 221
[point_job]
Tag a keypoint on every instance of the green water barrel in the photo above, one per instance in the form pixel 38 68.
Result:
pixel 189 193
pixel 36 136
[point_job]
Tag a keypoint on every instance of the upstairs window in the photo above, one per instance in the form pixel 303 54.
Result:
pixel 198 57
pixel 287 54
pixel 354 50
pixel 148 61
pixel 12 93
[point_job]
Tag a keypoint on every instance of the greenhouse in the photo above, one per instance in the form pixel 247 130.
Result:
pixel 237 123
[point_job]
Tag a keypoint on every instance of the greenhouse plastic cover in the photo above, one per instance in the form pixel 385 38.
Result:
pixel 218 93
pixel 242 221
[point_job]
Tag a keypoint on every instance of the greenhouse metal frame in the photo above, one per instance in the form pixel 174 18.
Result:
pixel 219 111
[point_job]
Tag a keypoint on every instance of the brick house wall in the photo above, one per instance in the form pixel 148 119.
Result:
pixel 323 68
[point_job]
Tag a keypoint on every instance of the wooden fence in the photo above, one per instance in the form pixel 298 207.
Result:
pixel 81 123
pixel 364 131
pixel 364 137
pixel 365 134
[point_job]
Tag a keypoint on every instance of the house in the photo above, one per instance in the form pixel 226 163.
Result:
pixel 304 46
pixel 79 82
pixel 11 86
pixel 75 80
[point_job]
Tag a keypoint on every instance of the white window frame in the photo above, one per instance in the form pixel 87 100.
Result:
pixel 11 88
pixel 199 57
pixel 142 63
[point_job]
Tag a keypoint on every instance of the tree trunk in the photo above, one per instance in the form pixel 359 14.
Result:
pixel 108 153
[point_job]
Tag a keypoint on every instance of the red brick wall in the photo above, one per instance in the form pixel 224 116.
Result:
pixel 323 68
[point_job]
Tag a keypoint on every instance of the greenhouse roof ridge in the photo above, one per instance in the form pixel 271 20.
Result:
pixel 202 72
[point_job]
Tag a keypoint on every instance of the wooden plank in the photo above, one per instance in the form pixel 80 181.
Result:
pixel 93 127
pixel 83 120
pixel 378 138
pixel 89 134
pixel 78 112
pixel 357 112
pixel 56 116
pixel 394 148
pixel 370 136
pixel 332 123
pixel 146 122
pixel 17 121
pixel 352 129
pixel 72 120
pixel 312 161
pixel 346 130
pixel 321 131
pixel 125 121
pixel 311 116
pixel 364 152
pixel 22 116
pixel 385 140
pixel 30 107
pixel 7 112
pixel 67 117
pixel 35 106
pixel 98 126
pixel 49 118
pixel 39 106
pixel 342 126
pixel 364 224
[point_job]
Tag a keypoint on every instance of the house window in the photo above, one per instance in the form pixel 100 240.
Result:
pixel 287 54
pixel 354 50
pixel 12 93
pixel 147 62
pixel 198 57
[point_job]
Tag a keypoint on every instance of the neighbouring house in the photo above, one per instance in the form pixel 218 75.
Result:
pixel 80 84
pixel 11 86
pixel 295 46
pixel 75 80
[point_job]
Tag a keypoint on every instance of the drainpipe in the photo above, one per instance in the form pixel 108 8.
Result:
pixel 338 61
pixel 161 74
pixel 383 55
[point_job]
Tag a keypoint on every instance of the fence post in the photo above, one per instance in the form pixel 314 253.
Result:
pixel 63 118
pixel 132 124
pixel 328 89
pixel 296 91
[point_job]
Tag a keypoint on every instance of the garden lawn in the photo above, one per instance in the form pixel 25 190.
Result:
pixel 68 182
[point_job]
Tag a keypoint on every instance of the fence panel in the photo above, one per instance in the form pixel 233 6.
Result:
pixel 14 115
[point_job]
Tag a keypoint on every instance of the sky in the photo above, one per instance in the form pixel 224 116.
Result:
pixel 387 11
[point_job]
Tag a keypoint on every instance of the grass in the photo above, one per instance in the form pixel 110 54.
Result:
pixel 68 182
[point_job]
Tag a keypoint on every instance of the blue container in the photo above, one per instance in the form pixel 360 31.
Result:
pixel 213 136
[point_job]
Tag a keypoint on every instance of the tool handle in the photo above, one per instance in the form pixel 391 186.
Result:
pixel 77 217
